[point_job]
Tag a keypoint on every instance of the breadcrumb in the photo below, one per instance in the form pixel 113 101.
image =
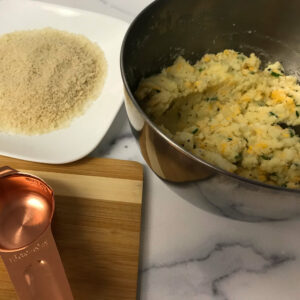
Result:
pixel 47 78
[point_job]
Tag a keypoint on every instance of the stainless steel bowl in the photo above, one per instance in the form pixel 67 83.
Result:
pixel 168 28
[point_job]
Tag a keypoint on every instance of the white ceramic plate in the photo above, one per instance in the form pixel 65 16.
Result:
pixel 84 134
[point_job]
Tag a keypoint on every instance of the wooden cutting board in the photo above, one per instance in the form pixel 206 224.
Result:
pixel 96 225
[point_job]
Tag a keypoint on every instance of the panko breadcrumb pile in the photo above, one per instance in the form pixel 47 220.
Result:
pixel 47 77
pixel 227 111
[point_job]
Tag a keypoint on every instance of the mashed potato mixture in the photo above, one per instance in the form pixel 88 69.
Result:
pixel 227 111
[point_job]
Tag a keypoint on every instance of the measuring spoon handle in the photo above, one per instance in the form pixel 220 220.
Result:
pixel 37 271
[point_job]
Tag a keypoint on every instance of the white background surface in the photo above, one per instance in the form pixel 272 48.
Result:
pixel 187 253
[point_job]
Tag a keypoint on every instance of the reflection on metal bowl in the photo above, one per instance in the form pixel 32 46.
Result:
pixel 166 29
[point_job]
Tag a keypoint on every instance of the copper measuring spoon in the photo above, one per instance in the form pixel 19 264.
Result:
pixel 27 246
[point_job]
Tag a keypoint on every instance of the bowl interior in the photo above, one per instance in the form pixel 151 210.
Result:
pixel 192 28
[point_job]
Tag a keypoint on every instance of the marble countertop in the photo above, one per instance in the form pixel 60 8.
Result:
pixel 186 252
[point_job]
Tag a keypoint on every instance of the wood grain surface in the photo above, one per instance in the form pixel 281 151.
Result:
pixel 96 225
